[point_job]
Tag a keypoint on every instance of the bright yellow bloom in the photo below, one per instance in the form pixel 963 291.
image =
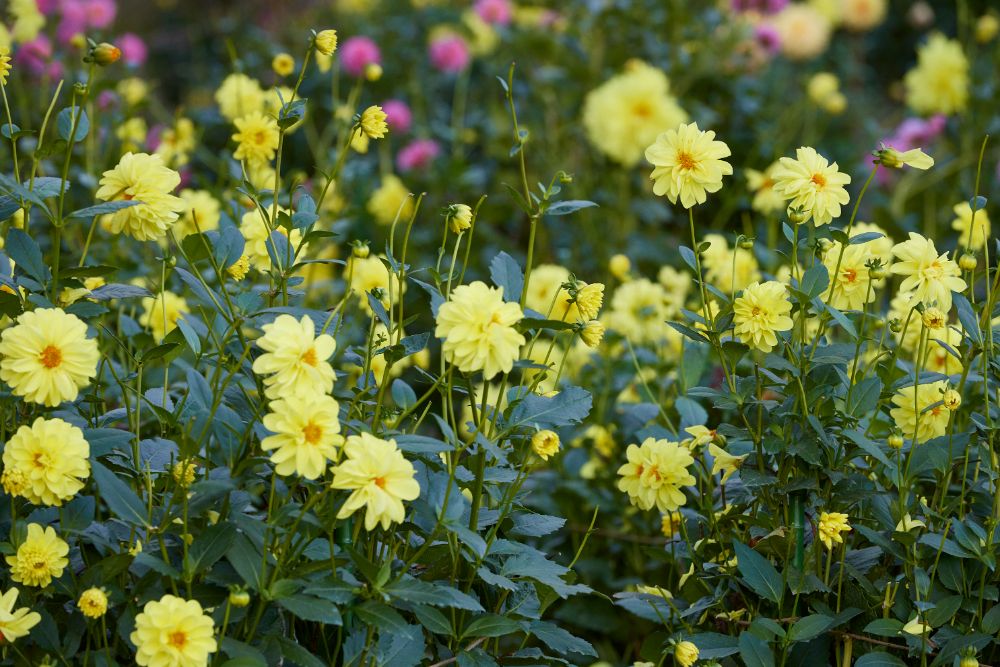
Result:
pixel 238 96
pixel 459 218
pixel 141 177
pixel 728 269
pixel 172 632
pixel 670 524
pixel 283 64
pixel 379 478
pixel 724 462
pixel 200 213
pixel 239 269
pixel 184 473
pixel 812 184
pixel 640 310
pixel 592 333
pixel 392 198
pixel 93 602
pixel 545 443
pixel 326 42
pixel 915 627
pixel 47 357
pixel 477 327
pixel 893 159
pixel 685 654
pixel 852 284
pixel 52 459
pixel 940 81
pixel 912 416
pixel 4 65
pixel 765 199
pixel 831 525
pixel 255 230
pixel 687 164
pixel 15 624
pixel 907 523
pixel 306 434
pixel 804 31
pixel 295 359
pixel 972 238
pixel 655 473
pixel 929 276
pixel 162 312
pixel 257 136
pixel 373 123
pixel 760 313
pixel 625 114
pixel 40 558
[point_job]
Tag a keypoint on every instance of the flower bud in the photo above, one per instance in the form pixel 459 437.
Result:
pixel 619 265
pixel 545 444
pixel 952 400
pixel 459 217
pixel 746 244
pixel 326 42
pixel 967 262
pixel 797 215
pixel 934 318
pixel 895 326
pixel 987 27
pixel 239 598
pixel 373 71
pixel 895 441
pixel 372 122
pixel 878 272
pixel 105 54
pixel 360 249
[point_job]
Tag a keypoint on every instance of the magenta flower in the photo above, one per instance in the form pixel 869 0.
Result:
pixel 398 115
pixel 494 12
pixel 449 54
pixel 763 6
pixel 359 52
pixel 418 154
pixel 134 50
pixel 35 55
pixel 100 13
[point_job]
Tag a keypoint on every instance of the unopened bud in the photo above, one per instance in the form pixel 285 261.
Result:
pixel 105 54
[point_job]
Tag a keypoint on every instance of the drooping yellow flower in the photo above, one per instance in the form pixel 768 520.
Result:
pixel 929 276
pixel 256 137
pixel 830 528
pixel 625 114
pixel 373 122
pixel 545 443
pixel 894 159
pixel 40 558
pixel 200 213
pixel 724 462
pixel 812 184
pixel 969 237
pixel 477 327
pixel 728 269
pixel 939 84
pixel 687 164
pixel 392 198
pixel 93 602
pixel 295 358
pixel 326 41
pixel 760 313
pixel 160 313
pixel 255 230
pixel 915 627
pixel 852 284
pixel 913 414
pixel 47 357
pixel 238 96
pixel 908 523
pixel 239 269
pixel 379 478
pixel 15 623
pixel 685 654
pixel 306 435
pixel 144 178
pixel 173 632
pixel 765 199
pixel 4 65
pixel 592 333
pixel 700 435
pixel 52 459
pixel 184 473
pixel 655 473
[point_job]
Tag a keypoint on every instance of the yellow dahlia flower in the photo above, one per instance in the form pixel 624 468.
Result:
pixel 256 137
pixel 4 65
pixel 852 285
pixel 655 473
pixel 545 444
pixel 162 312
pixel 724 462
pixel 52 458
pixel 812 184
pixel 592 333
pixel 685 654
pixel 326 41
pixel 40 558
pixel 239 95
pixel 687 164
pixel 172 632
pixel 760 313
pixel 929 276
pixel 306 434
pixel 625 114
pixel 804 31
pixel 940 81
pixel 283 64
pixel 640 310
pixel 93 602
pixel 830 528
pixel 973 239
pixel 379 478
pixel 912 416
pixel 478 330
pixel 141 177
pixel 255 230
pixel 373 123
pixel 765 199
pixel 200 213
pixel 392 198
pixel 47 357
pixel 295 358
pixel 15 623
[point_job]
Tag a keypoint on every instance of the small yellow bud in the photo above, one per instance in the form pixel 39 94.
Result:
pixel 619 265
pixel 372 122
pixel 796 215
pixel 934 319
pixel 239 598
pixel 967 262
pixel 283 64
pixel 326 42
pixel 545 444
pixel 93 603
pixel 459 218
pixel 952 400
pixel 987 27
pixel 360 249
pixel 895 441
pixel 373 72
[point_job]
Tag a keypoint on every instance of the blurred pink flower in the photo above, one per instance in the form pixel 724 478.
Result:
pixel 34 56
pixel 134 50
pixel 47 7
pixel 107 99
pixel 399 116
pixel 912 133
pixel 357 53
pixel 418 154
pixel 449 54
pixel 100 13
pixel 767 38
pixel 765 6
pixel 74 21
pixel 495 12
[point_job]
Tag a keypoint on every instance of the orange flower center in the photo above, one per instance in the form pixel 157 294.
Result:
pixel 177 639
pixel 642 109
pixel 380 482
pixel 819 180
pixel 685 161
pixel 51 356
pixel 935 270
pixel 310 357
pixel 260 137
pixel 312 433
pixel 850 275
pixel 755 312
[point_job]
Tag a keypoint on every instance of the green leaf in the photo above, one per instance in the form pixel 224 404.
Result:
pixel 570 405
pixel 991 621
pixel 506 273
pixel 884 627
pixel 758 573
pixel 713 645
pixel 297 654
pixel 26 254
pixel 433 620
pixel 246 560
pixel 121 500
pixel 808 627
pixel 210 546
pixel 410 589
pixel 310 608
pixel 755 651
pixel 64 124
pixel 102 209
pixel 568 206
pixel 491 625
pixel 815 280
pixel 559 640
pixel 383 618
pixel 878 659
